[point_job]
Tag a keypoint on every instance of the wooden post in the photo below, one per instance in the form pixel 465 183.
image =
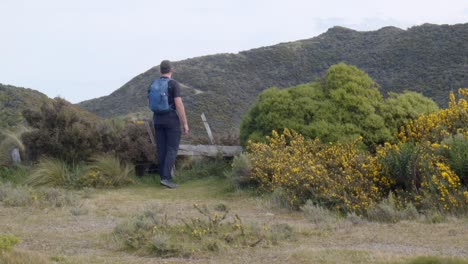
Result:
pixel 150 132
pixel 207 127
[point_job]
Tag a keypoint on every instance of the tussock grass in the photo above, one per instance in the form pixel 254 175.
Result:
pixel 50 172
pixel 107 171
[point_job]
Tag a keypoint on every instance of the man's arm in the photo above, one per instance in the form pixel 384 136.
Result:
pixel 181 111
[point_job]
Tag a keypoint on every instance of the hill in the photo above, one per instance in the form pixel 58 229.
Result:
pixel 431 59
pixel 13 100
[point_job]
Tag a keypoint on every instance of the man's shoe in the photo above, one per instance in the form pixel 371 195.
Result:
pixel 169 184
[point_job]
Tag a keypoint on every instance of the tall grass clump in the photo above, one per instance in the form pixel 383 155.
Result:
pixel 107 171
pixel 50 172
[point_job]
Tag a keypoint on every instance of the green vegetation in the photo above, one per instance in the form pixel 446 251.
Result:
pixel 7 242
pixel 14 100
pixel 420 168
pixel 152 234
pixel 107 171
pixel 342 106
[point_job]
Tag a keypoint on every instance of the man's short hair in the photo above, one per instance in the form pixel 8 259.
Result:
pixel 165 67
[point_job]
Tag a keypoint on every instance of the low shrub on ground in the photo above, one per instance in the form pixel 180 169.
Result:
pixel 151 233
pixel 388 211
pixel 107 171
pixel 7 242
pixel 280 198
pixel 241 172
pixel 318 215
pixel 16 196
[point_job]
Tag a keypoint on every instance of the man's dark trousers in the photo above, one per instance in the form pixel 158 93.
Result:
pixel 167 141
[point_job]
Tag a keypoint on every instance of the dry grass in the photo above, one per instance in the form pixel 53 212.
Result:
pixel 57 235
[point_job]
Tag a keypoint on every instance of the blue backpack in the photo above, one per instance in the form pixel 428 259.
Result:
pixel 159 97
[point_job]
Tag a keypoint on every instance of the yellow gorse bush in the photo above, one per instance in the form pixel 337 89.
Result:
pixel 436 126
pixel 336 175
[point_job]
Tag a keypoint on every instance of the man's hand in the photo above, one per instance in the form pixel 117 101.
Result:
pixel 186 129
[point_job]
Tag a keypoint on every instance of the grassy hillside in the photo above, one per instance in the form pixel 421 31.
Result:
pixel 13 100
pixel 430 59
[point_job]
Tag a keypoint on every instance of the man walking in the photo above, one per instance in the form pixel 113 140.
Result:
pixel 166 104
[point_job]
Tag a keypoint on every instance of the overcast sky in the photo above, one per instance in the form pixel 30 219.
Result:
pixel 82 49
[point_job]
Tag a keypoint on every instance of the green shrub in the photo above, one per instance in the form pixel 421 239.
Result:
pixel 107 171
pixel 457 155
pixel 387 211
pixel 403 165
pixel 51 172
pixel 7 242
pixel 343 105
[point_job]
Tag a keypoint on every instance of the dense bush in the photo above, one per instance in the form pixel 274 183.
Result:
pixel 61 131
pixel 337 176
pixel 132 144
pixel 342 106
